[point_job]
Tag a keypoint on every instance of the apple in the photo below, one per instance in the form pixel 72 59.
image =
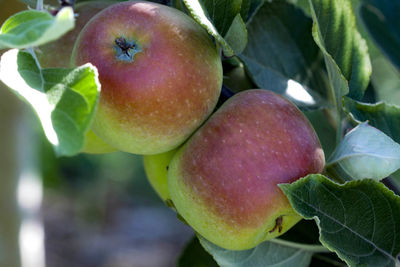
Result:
pixel 95 145
pixel 57 54
pixel 160 72
pixel 223 180
pixel 156 168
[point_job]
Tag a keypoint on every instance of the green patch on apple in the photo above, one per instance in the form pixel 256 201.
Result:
pixel 156 167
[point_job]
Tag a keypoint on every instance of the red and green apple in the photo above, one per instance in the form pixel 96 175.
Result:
pixel 160 73
pixel 223 180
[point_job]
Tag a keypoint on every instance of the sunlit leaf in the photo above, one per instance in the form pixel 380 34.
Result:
pixel 64 99
pixel 281 54
pixel 33 28
pixel 208 12
pixel 366 152
pixel 345 51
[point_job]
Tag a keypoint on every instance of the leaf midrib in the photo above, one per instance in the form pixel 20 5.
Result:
pixel 344 226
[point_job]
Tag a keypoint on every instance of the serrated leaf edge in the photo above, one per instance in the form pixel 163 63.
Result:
pixel 321 178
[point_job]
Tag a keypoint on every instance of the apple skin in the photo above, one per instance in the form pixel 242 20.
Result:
pixel 156 168
pixel 57 54
pixel 94 145
pixel 223 181
pixel 158 92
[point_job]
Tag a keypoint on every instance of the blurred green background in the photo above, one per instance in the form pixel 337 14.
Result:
pixel 101 211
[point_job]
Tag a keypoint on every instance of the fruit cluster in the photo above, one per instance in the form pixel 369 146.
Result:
pixel 161 76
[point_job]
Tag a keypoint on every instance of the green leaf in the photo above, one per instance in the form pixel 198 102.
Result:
pixel 396 177
pixel 237 80
pixel 64 99
pixel 237 35
pixel 254 5
pixel 178 4
pixel 386 80
pixel 345 51
pixel 223 13
pixel 366 152
pixel 245 8
pixel 281 54
pixel 385 117
pixel 265 254
pixel 381 19
pixel 33 28
pixel 359 220
pixel 194 255
pixel 304 5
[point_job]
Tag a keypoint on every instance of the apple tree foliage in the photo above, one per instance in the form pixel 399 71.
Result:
pixel 323 55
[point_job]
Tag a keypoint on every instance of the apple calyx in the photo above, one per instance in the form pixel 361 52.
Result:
pixel 278 225
pixel 125 50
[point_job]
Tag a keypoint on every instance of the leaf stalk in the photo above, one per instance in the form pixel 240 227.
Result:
pixel 301 246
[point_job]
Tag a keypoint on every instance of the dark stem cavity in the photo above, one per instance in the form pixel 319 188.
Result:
pixel 125 49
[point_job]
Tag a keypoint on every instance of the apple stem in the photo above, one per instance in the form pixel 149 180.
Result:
pixel 278 225
pixel 124 45
pixel 125 50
